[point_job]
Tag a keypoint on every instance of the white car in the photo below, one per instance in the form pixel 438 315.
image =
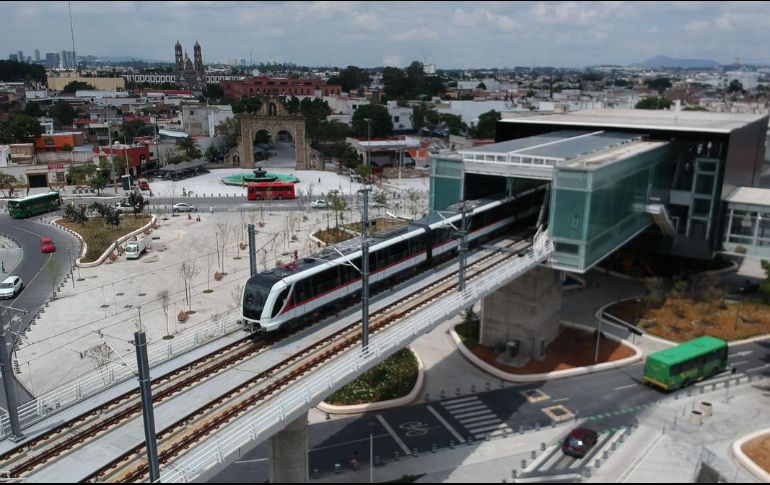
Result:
pixel 122 207
pixel 11 286
pixel 182 207
pixel 319 204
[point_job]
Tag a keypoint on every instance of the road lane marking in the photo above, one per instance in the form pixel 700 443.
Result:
pixel 449 427
pixel 476 407
pixel 486 422
pixel 739 362
pixel 462 399
pixel 393 435
pixel 468 415
pixel 462 404
pixel 561 400
pixel 479 418
pixel 626 387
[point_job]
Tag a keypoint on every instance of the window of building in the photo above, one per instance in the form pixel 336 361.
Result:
pixel 395 119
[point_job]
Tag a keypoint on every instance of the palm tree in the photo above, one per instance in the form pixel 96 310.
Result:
pixel 190 147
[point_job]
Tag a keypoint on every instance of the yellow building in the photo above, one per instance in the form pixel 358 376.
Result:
pixel 57 80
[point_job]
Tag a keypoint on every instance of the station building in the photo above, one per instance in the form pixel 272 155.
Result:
pixel 665 181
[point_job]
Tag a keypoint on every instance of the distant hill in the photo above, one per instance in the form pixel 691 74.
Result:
pixel 670 62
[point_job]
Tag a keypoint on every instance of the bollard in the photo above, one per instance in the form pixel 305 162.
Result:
pixel 521 429
pixel 487 386
pixel 427 396
pixel 457 391
pixel 505 433
pixel 377 460
pixel 414 452
pixel 622 438
pixel 523 464
pixel 532 454
pixel 553 424
pixel 337 468
pixel 587 472
pixel 542 446
pixel 614 446
pixel 315 472
pixel 713 387
pixel 703 390
pixel 433 448
pixel 597 463
pixel 473 388
pixel 513 473
pixel 452 444
pixel 502 384
pixel 395 455
pixel 470 440
pixel 605 454
pixel 537 426
pixel 442 395
pixel 488 437
pixel 328 417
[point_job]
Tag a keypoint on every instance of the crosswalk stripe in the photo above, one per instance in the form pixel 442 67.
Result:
pixel 478 418
pixel 477 407
pixel 493 434
pixel 462 399
pixel 461 405
pixel 471 427
pixel 474 413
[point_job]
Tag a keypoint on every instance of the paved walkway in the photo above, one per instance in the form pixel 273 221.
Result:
pixel 10 255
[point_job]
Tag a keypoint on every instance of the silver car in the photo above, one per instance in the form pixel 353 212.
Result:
pixel 182 207
pixel 11 287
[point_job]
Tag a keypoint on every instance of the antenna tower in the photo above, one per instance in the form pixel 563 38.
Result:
pixel 72 32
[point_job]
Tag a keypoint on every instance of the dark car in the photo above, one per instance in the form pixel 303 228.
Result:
pixel 578 442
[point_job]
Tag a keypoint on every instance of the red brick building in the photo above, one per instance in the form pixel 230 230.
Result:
pixel 138 156
pixel 261 86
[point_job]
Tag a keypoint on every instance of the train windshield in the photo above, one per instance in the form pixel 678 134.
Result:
pixel 255 295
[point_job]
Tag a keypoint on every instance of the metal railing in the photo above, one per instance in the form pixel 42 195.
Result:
pixel 97 381
pixel 308 391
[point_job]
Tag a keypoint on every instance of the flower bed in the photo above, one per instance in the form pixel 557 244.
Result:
pixel 394 378
pixel 100 236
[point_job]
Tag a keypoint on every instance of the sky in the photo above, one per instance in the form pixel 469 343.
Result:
pixel 451 35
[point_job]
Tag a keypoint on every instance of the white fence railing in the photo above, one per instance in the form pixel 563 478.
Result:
pixel 307 392
pixel 101 379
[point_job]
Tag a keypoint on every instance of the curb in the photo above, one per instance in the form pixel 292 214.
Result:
pixel 747 462
pixel 380 405
pixel 589 369
pixel 109 250
pixel 733 267
pixel 663 341
pixel 84 246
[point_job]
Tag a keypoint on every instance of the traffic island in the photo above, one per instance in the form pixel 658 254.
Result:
pixel 753 452
pixel 101 238
pixel 395 382
pixel 571 353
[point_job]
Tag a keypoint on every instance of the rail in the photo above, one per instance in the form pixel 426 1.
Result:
pixel 96 381
pixel 289 404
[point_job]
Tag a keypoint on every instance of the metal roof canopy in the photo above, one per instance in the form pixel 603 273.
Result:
pixel 178 167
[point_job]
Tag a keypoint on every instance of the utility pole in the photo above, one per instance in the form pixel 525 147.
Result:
pixel 112 160
pixel 143 366
pixel 252 251
pixel 463 232
pixel 365 267
pixel 12 405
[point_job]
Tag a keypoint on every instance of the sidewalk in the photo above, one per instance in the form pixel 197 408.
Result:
pixel 10 255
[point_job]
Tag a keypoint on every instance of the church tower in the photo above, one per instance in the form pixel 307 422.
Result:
pixel 178 56
pixel 198 57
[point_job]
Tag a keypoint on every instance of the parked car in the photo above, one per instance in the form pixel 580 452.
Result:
pixel 319 204
pixel 578 442
pixel 47 245
pixel 183 207
pixel 378 204
pixel 122 207
pixel 11 287
pixel 144 184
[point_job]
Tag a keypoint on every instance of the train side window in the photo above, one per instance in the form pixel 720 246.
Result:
pixel 279 302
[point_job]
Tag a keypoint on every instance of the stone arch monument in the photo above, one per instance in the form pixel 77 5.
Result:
pixel 272 117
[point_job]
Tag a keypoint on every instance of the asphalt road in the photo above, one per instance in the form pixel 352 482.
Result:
pixel 607 400
pixel 37 281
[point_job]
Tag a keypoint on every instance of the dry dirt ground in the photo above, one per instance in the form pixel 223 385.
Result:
pixel 758 450
pixel 571 348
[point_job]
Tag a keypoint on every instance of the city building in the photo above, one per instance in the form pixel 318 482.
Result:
pixel 138 155
pixel 58 79
pixel 262 86
pixel 58 142
pixel 651 179
pixel 52 60
pixel 189 73
pixel 68 60
pixel 401 116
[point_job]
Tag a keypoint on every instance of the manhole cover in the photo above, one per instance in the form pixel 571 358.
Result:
pixel 129 306
pixel 104 306
pixel 558 413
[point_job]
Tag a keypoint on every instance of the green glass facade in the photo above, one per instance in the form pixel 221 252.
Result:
pixel 596 210
pixel 446 182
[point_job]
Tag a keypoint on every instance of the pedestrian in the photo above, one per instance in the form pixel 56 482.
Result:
pixel 2 266
pixel 211 209
pixel 319 180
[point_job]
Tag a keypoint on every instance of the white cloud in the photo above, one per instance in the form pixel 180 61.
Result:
pixel 393 60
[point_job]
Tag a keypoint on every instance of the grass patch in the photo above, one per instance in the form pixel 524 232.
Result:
pixel 392 379
pixel 469 333
pixel 333 235
pixel 100 236
pixel 337 235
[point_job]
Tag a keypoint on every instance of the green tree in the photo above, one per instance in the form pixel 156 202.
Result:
pixel 660 84
pixel 19 127
pixel 190 147
pixel 33 109
pixel 135 128
pixel 14 71
pixel 364 171
pixel 735 86
pixel 74 86
pixel 212 153
pixel 455 123
pixel 249 104
pixel 62 113
pixel 485 128
pixel 98 183
pixel 338 204
pixel 351 78
pixel 214 91
pixel 382 125
pixel 137 202
pixel 229 130
pixel 7 179
pixel 653 103
pixel 423 116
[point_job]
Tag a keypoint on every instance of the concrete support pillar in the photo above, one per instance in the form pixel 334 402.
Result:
pixel 526 311
pixel 288 453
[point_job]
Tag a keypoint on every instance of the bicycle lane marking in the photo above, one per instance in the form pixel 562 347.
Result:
pixel 393 435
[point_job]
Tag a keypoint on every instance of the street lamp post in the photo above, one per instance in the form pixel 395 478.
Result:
pixel 6 348
pixel 112 160
pixel 365 267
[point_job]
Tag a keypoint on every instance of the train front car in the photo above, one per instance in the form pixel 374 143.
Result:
pixel 259 295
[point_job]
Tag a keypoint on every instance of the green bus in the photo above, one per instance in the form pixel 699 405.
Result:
pixel 686 363
pixel 34 205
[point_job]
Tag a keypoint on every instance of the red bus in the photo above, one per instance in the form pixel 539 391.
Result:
pixel 270 190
